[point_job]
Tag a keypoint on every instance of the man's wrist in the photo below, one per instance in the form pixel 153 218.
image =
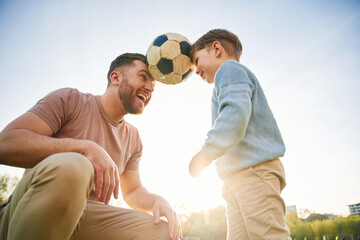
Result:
pixel 80 146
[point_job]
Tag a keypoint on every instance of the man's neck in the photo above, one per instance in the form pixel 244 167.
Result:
pixel 112 105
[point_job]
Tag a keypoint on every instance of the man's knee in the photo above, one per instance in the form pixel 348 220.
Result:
pixel 109 222
pixel 74 165
pixel 157 231
pixel 163 230
pixel 71 170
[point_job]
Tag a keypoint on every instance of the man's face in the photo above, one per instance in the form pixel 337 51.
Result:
pixel 206 64
pixel 136 87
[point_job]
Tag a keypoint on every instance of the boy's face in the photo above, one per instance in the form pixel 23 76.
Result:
pixel 206 64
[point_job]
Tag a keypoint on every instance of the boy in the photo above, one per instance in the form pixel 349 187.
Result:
pixel 244 138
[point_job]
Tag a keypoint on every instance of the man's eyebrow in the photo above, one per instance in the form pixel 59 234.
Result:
pixel 145 71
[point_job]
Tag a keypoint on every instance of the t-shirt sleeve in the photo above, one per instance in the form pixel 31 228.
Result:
pixel 133 163
pixel 57 108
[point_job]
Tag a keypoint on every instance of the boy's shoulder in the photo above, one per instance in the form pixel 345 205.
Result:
pixel 232 65
pixel 231 72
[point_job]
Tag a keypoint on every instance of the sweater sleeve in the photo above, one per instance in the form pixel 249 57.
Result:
pixel 233 92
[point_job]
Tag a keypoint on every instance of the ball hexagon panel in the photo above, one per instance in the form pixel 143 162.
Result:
pixel 181 64
pixel 155 72
pixel 173 78
pixel 177 37
pixel 170 49
pixel 153 55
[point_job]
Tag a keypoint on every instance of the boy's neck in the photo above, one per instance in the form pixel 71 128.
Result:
pixel 227 58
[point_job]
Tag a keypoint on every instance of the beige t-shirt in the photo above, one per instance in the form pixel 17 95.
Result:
pixel 72 114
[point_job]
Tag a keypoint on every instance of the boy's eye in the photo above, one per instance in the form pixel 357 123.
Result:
pixel 143 77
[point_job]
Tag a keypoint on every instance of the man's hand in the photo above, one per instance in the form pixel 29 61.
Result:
pixel 138 197
pixel 163 208
pixel 197 164
pixel 107 178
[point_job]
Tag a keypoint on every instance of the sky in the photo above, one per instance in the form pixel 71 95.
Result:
pixel 306 55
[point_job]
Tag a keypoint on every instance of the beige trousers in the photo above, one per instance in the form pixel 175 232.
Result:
pixel 50 203
pixel 255 209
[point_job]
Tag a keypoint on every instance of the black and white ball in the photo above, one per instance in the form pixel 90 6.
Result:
pixel 169 58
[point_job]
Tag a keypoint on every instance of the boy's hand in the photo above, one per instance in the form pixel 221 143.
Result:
pixel 197 164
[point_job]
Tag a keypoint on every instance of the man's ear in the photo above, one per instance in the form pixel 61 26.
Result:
pixel 116 77
pixel 217 48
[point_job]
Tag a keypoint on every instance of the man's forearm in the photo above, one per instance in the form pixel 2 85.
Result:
pixel 141 199
pixel 24 148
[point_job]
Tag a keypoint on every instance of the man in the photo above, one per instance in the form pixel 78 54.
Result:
pixel 80 149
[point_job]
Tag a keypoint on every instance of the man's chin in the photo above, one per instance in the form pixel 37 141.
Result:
pixel 137 110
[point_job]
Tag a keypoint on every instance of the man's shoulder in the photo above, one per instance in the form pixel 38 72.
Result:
pixel 64 93
pixel 131 131
pixel 66 90
pixel 129 126
pixel 71 94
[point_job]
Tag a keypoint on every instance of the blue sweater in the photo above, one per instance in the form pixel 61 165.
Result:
pixel 244 131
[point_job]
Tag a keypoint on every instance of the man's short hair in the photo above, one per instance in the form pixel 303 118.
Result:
pixel 228 40
pixel 123 60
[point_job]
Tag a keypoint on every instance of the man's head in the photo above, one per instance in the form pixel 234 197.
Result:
pixel 211 50
pixel 124 60
pixel 129 76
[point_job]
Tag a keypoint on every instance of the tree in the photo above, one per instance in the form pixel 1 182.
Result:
pixel 7 185
pixel 316 216
pixel 316 229
pixel 216 220
pixel 209 225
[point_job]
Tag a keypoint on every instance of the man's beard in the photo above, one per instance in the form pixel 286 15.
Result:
pixel 125 94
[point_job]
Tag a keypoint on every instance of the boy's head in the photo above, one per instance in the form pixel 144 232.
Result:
pixel 211 50
pixel 228 40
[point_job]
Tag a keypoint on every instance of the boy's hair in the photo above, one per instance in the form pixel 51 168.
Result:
pixel 123 60
pixel 228 40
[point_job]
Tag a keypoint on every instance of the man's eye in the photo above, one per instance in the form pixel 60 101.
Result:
pixel 143 77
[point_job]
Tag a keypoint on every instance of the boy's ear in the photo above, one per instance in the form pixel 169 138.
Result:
pixel 217 48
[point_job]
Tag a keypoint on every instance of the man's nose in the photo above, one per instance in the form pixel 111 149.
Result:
pixel 150 86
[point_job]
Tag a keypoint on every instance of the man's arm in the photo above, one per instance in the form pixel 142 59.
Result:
pixel 138 197
pixel 27 140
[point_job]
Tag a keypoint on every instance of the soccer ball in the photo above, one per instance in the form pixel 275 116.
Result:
pixel 169 58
